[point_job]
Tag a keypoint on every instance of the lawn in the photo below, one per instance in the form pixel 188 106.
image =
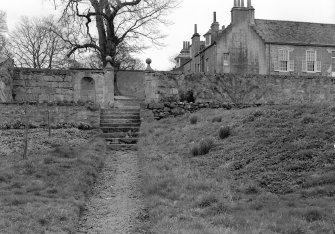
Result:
pixel 46 192
pixel 268 170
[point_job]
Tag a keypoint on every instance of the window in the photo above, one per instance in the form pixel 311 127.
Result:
pixel 284 64
pixel 208 39
pixel 207 65
pixel 283 60
pixel 310 59
pixel 225 59
pixel 311 64
pixel 333 61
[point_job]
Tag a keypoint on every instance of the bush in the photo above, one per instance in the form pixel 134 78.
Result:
pixel 5 126
pixel 91 106
pixel 203 148
pixel 308 119
pixel 187 97
pixel 194 119
pixel 84 126
pixel 224 132
pixel 17 124
pixel 217 119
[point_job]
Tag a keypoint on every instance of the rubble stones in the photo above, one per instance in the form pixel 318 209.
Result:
pixel 172 109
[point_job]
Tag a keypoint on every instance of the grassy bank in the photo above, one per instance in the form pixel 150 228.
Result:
pixel 46 193
pixel 269 170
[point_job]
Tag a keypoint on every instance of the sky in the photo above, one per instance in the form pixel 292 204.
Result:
pixel 192 12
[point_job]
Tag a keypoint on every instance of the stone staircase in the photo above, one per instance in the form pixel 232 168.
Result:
pixel 120 125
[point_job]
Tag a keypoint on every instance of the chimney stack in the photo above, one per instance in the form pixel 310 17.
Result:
pixel 195 41
pixel 215 27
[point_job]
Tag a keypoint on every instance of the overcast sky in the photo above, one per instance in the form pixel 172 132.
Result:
pixel 192 12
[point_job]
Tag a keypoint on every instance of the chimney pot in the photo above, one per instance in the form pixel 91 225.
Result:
pixel 242 3
pixel 249 3
pixel 195 29
pixel 214 17
pixel 238 3
pixel 235 3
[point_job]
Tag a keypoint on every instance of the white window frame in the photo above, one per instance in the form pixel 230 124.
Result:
pixel 207 64
pixel 284 64
pixel 208 39
pixel 311 60
pixel 225 59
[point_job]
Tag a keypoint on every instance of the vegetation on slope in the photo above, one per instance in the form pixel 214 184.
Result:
pixel 46 193
pixel 273 172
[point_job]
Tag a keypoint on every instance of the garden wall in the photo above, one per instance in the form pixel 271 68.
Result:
pixel 59 115
pixel 131 83
pixel 246 89
pixel 43 85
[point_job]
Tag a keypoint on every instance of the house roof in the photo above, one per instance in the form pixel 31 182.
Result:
pixel 290 32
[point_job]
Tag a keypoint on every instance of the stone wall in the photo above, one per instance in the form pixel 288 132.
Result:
pixel 234 88
pixel 63 85
pixel 14 113
pixel 131 83
pixel 172 109
pixel 42 85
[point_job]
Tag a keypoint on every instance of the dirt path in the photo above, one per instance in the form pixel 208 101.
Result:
pixel 116 199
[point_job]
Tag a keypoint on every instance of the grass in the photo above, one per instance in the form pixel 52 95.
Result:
pixel 46 193
pixel 275 174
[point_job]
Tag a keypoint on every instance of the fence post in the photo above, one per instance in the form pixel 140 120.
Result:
pixel 25 152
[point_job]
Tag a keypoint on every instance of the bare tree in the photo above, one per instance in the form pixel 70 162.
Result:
pixel 116 22
pixel 33 44
pixel 3 29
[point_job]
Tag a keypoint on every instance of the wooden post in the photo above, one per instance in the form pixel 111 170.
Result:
pixel 49 127
pixel 25 152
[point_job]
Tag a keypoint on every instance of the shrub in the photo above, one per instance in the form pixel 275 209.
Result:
pixel 308 119
pixel 187 97
pixel 17 124
pixel 194 119
pixel 217 119
pixel 224 132
pixel 203 148
pixel 5 126
pixel 84 126
pixel 91 106
pixel 313 214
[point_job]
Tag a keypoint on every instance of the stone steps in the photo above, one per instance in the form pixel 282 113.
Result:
pixel 121 124
pixel 121 121
pixel 120 135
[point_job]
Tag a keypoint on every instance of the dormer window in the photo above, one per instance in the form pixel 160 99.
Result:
pixel 208 39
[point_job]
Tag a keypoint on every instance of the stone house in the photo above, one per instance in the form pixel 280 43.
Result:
pixel 259 46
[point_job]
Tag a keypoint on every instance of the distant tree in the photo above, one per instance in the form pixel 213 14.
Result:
pixel 3 30
pixel 33 44
pixel 117 23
